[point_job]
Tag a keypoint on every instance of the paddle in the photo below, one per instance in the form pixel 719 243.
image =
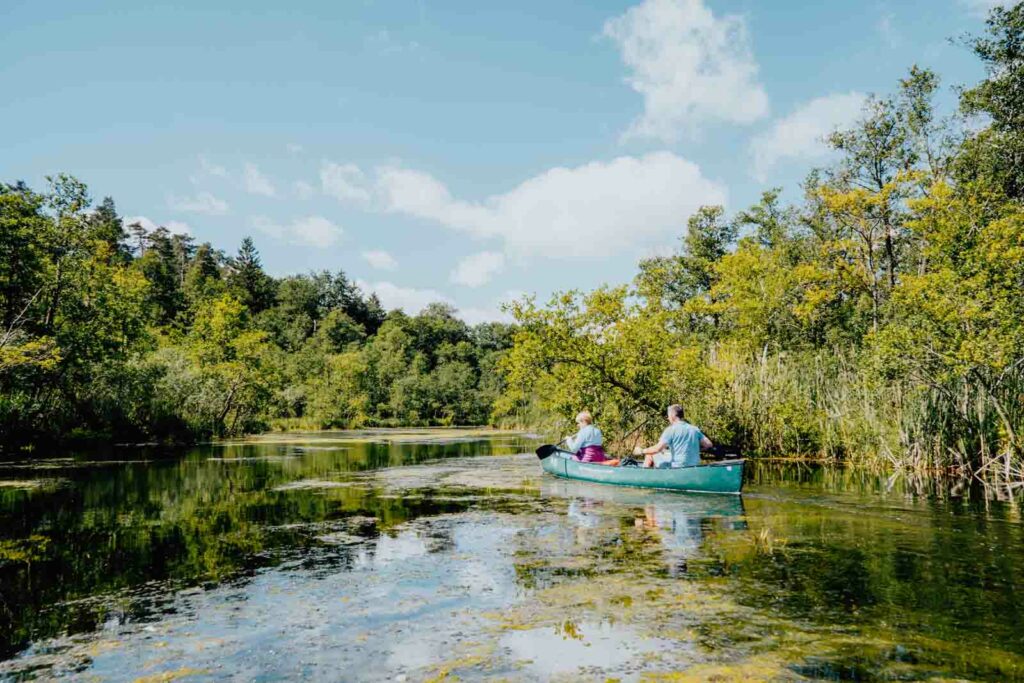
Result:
pixel 721 451
pixel 547 450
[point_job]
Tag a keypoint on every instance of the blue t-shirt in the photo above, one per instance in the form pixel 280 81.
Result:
pixel 587 436
pixel 683 441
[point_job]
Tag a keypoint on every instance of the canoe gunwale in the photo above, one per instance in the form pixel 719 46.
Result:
pixel 703 478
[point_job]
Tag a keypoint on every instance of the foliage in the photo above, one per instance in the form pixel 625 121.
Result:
pixel 879 322
pixel 152 337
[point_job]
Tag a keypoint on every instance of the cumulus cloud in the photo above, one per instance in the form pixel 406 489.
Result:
pixel 478 269
pixel 303 190
pixel 587 212
pixel 174 227
pixel 178 227
pixel 689 66
pixel 413 300
pixel 381 260
pixel 409 299
pixel 203 202
pixel 474 315
pixel 255 182
pixel 801 134
pixel 313 231
pixel 344 182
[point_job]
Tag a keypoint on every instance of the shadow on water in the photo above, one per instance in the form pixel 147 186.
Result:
pixel 401 553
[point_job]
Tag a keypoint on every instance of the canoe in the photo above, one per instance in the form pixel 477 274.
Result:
pixel 719 477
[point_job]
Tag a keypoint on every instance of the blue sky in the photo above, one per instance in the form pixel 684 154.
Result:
pixel 450 151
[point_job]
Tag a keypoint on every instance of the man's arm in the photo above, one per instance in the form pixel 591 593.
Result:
pixel 653 450
pixel 705 443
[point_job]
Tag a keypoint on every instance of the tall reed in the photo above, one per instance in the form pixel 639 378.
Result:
pixel 830 405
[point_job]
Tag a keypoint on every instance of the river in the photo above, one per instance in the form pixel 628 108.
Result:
pixel 441 554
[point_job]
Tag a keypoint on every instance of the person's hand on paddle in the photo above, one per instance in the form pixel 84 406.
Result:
pixel 637 450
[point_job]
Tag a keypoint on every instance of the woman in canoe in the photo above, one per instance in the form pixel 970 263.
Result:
pixel 588 444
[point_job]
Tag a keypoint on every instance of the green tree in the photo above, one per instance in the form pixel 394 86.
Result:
pixel 161 265
pixel 105 225
pixel 202 278
pixel 995 154
pixel 246 278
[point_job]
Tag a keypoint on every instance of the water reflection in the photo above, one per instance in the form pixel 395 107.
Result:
pixel 125 518
pixel 679 522
pixel 295 558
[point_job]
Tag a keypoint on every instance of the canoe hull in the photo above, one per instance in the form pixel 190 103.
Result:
pixel 717 478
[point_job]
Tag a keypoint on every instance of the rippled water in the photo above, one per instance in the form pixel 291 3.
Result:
pixel 447 553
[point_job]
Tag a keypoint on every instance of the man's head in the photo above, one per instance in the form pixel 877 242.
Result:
pixel 675 412
pixel 584 418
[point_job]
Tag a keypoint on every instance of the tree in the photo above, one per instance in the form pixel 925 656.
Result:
pixel 959 324
pixel 233 387
pixel 23 252
pixel 995 154
pixel 161 266
pixel 106 226
pixel 435 326
pixel 202 278
pixel 772 224
pixel 67 239
pixel 864 184
pixel 253 286
pixel 671 281
pixel 602 352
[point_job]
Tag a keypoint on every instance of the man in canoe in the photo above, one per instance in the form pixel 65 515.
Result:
pixel 683 441
pixel 588 444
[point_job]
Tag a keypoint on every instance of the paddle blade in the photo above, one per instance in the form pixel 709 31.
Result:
pixel 546 451
pixel 721 451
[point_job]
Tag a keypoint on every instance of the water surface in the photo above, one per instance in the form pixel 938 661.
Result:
pixel 447 553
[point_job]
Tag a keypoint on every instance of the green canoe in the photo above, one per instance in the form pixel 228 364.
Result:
pixel 719 477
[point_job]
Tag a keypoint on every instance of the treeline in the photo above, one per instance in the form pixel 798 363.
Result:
pixel 880 320
pixel 117 333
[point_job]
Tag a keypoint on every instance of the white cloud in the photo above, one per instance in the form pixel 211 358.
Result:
pixel 587 212
pixel 487 314
pixel 174 227
pixel 493 313
pixel 146 224
pixel 294 148
pixel 689 66
pixel 255 182
pixel 303 190
pixel 203 202
pixel 409 299
pixel 313 231
pixel 982 7
pixel 413 300
pixel 178 227
pixel 208 169
pixel 801 134
pixel 381 260
pixel 478 269
pixel 344 182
